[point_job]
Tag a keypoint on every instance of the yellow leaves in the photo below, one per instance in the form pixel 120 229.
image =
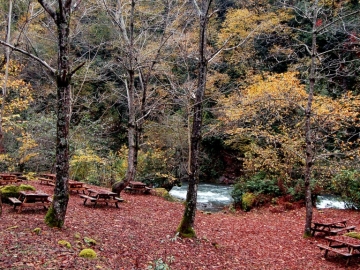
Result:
pixel 268 95
pixel 86 155
pixel 18 94
pixel 334 114
pixel 270 113
pixel 244 25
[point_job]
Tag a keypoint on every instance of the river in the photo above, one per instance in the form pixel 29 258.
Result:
pixel 213 198
pixel 210 198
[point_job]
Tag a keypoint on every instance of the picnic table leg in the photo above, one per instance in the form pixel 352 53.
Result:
pixel 351 250
pixel 313 230
pixel 85 201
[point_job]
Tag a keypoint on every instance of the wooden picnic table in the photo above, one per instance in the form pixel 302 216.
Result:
pixel 344 245
pixel 6 178
pixel 331 227
pixel 137 187
pixel 49 176
pixel 19 175
pixel 76 186
pixel 31 199
pixel 47 181
pixel 101 196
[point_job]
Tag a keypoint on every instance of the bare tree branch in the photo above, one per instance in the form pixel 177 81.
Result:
pixel 48 8
pixel 42 62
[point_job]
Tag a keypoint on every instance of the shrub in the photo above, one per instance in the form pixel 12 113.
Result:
pixel 13 191
pixel 162 192
pixel 248 200
pixel 347 185
pixel 258 184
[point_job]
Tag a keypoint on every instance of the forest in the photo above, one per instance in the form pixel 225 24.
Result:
pixel 260 94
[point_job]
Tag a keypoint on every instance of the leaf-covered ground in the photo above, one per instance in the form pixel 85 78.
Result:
pixel 142 231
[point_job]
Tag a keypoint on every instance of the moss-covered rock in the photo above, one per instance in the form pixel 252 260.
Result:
pixel 37 231
pixel 88 253
pixel 89 241
pixel 353 234
pixel 64 243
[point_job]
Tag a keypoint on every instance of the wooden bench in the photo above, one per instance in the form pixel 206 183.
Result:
pixel 336 250
pixel 15 201
pixel 343 245
pixel 333 249
pixel 101 198
pixel 46 181
pixel 344 229
pixel 334 231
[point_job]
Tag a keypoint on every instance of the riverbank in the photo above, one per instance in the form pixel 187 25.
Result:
pixel 143 229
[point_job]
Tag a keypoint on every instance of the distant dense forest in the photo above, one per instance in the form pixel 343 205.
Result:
pixel 136 71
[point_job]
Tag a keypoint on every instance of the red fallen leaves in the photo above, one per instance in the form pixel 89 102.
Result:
pixel 142 231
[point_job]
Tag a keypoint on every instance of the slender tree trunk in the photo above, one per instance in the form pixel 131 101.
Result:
pixel 186 227
pixel 0 204
pixel 2 147
pixel 132 156
pixel 308 132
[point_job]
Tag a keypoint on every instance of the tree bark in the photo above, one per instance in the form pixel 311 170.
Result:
pixel 309 151
pixel 0 204
pixel 2 146
pixel 55 217
pixel 186 227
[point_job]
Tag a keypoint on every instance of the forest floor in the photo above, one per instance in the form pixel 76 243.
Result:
pixel 142 231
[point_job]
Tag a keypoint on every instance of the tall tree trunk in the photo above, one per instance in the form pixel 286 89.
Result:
pixel 132 129
pixel 55 217
pixel 132 134
pixel 309 159
pixel 2 147
pixel 186 227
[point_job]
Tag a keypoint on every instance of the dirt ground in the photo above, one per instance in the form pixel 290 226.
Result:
pixel 142 231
